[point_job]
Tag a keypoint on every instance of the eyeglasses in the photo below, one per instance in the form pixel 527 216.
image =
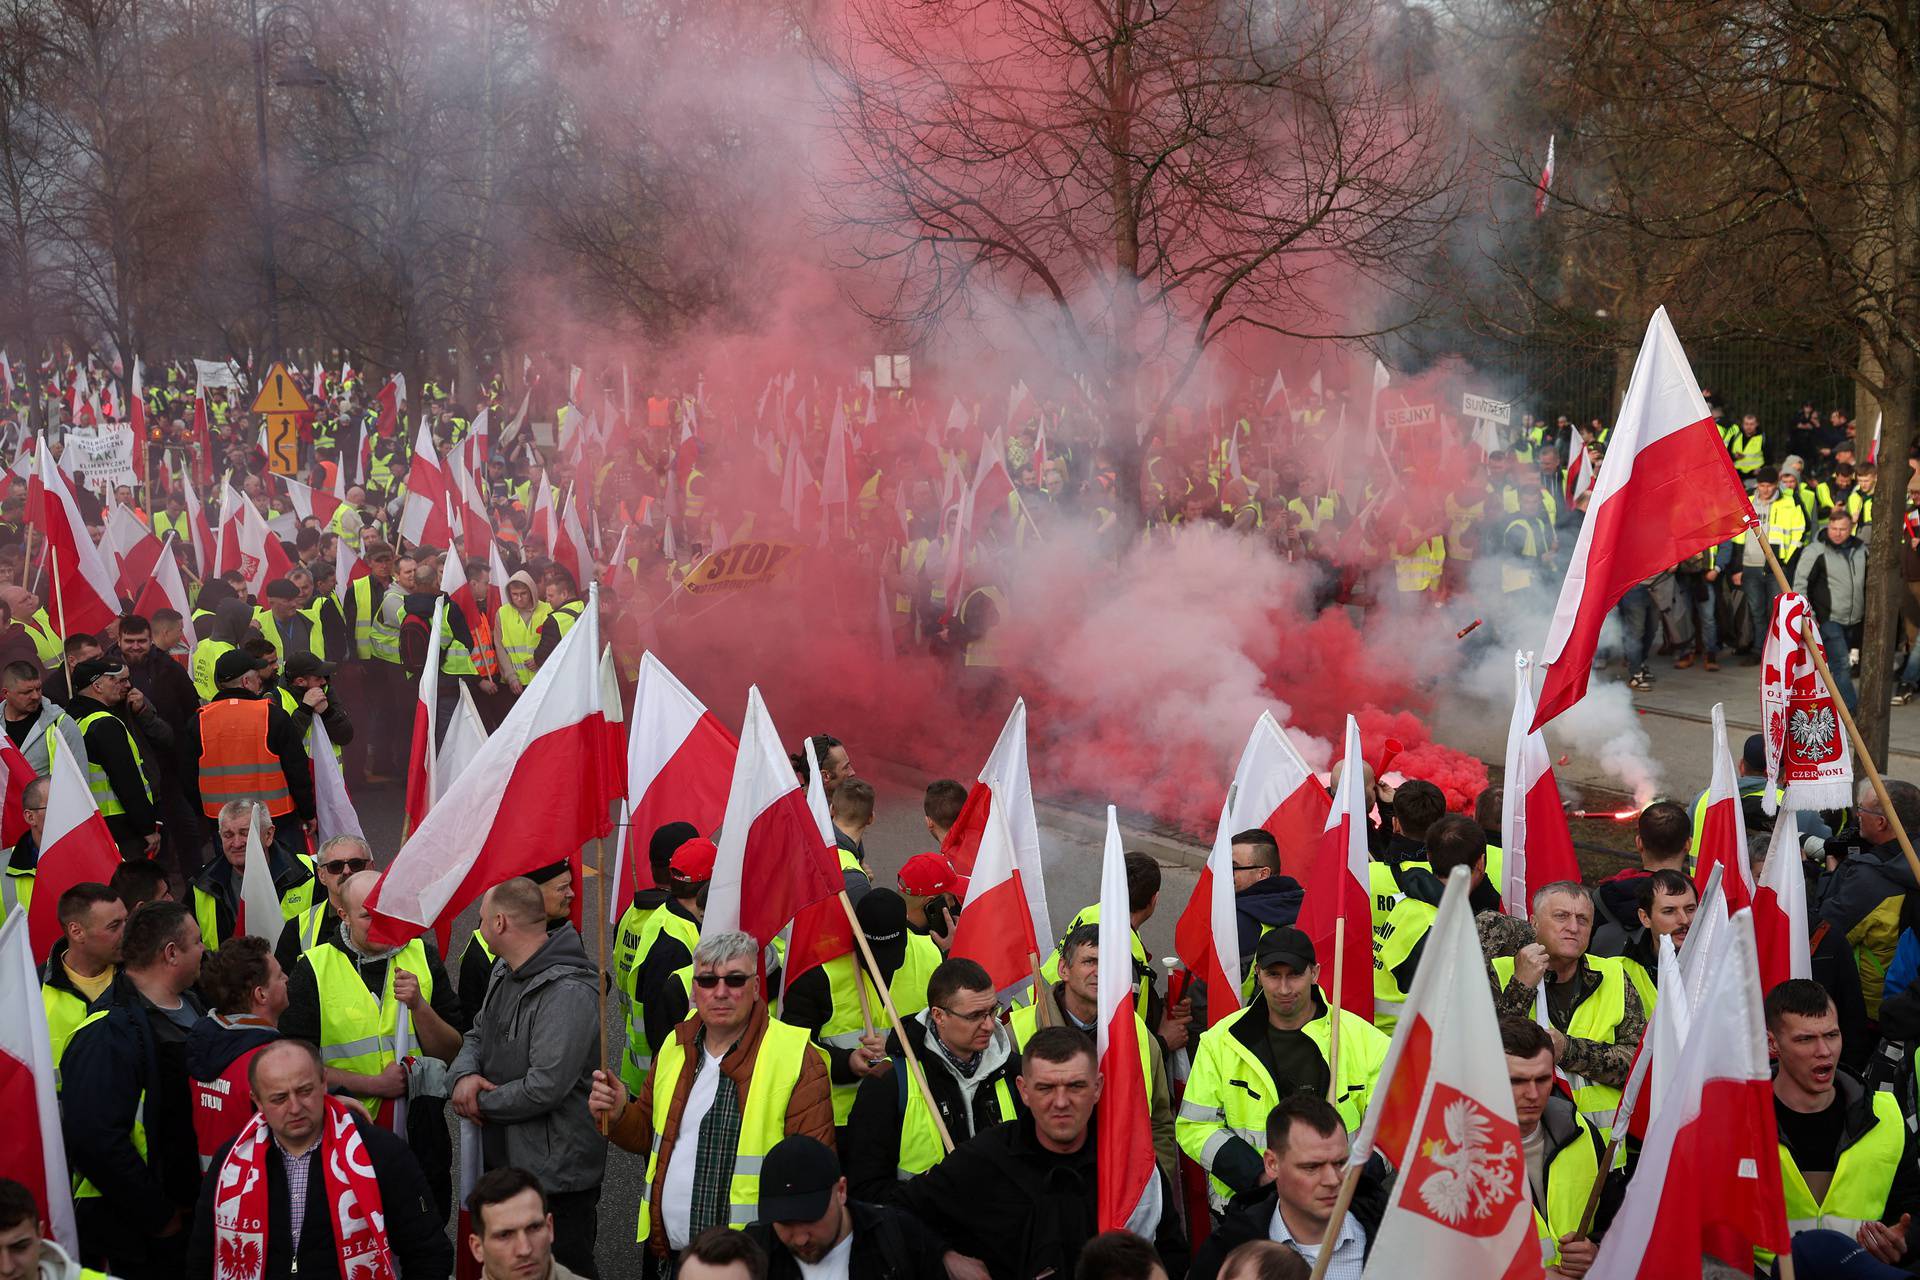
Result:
pixel 708 981
pixel 346 866
pixel 991 1011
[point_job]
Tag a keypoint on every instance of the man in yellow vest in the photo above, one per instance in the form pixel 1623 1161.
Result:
pixel 730 1068
pixel 1846 1155
pixel 1563 1153
pixel 1277 1047
pixel 247 748
pixel 839 1002
pixel 348 997
pixel 1596 1012
pixel 970 1062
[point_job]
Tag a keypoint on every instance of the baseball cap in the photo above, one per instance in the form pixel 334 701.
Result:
pixel 92 669
pixel 926 874
pixel 1284 946
pixel 693 862
pixel 232 665
pixel 882 914
pixel 307 664
pixel 797 1180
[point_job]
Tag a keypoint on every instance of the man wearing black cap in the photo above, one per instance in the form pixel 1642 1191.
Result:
pixel 248 749
pixel 810 1228
pixel 853 1031
pixel 657 998
pixel 555 881
pixel 1278 1046
pixel 116 773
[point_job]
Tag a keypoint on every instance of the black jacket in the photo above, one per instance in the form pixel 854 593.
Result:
pixel 1021 1209
pixel 1249 1216
pixel 283 740
pixel 110 745
pixel 887 1245
pixel 870 1150
pixel 418 1239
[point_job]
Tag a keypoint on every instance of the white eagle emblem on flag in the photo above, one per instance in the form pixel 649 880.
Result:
pixel 1468 1178
pixel 1813 730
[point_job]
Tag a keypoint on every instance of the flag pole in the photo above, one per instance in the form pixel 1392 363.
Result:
pixel 1333 1021
pixel 1337 1220
pixel 1846 718
pixel 886 1001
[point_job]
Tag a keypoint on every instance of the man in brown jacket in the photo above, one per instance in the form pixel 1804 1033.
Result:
pixel 731 1079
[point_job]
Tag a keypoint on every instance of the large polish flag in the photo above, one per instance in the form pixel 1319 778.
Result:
pixel 1533 824
pixel 537 785
pixel 422 793
pixel 1129 1197
pixel 1443 1114
pixel 34 1154
pixel 1273 789
pixel 166 589
pixel 75 847
pixel 1708 1181
pixel 1005 784
pixel 1666 490
pixel 1722 840
pixel 423 521
pixel 679 762
pixel 84 597
pixel 1337 889
pixel 768 839
pixel 1780 908
pixel 995 927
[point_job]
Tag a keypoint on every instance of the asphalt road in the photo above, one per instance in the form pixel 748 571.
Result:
pixel 1070 841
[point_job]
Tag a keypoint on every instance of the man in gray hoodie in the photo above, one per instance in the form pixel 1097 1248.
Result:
pixel 524 1071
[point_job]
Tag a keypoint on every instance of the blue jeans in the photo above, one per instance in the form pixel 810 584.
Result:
pixel 1757 585
pixel 1834 637
pixel 1636 617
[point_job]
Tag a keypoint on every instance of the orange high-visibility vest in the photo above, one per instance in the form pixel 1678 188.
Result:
pixel 235 763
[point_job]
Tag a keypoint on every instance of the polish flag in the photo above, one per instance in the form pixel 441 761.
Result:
pixel 390 398
pixel 75 847
pixel 1533 825
pixel 34 1155
pixel 1443 1115
pixel 310 503
pixel 821 931
pixel 1708 1181
pixel 1666 490
pixel 423 521
pixel 1546 181
pixel 247 544
pixel 421 790
pixel 333 807
pixel 680 761
pixel 1273 789
pixel 1129 1197
pixel 165 588
pixel 768 839
pixel 1337 887
pixel 1780 908
pixel 84 598
pixel 537 785
pixel 203 544
pixel 1005 784
pixel 15 774
pixel 995 926
pixel 348 568
pixel 1723 829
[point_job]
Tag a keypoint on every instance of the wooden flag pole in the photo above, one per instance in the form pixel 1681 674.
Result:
pixel 1336 1221
pixel 1333 1018
pixel 886 1001
pixel 1860 751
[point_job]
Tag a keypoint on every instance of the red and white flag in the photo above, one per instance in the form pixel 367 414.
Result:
pixel 768 839
pixel 1780 908
pixel 34 1154
pixel 538 785
pixel 1005 784
pixel 84 598
pixel 75 848
pixel 1708 1181
pixel 167 589
pixel 1546 181
pixel 1273 789
pixel 1443 1115
pixel 1337 888
pixel 1723 827
pixel 679 762
pixel 1129 1182
pixel 1533 825
pixel 423 521
pixel 1666 490
pixel 421 760
pixel 15 774
pixel 995 928
pixel 1807 754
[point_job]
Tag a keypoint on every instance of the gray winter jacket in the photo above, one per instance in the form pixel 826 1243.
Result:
pixel 1843 572
pixel 537 1039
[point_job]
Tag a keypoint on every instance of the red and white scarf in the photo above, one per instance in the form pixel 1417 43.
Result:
pixel 1806 745
pixel 240 1208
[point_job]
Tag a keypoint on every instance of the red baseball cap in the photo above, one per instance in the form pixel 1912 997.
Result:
pixel 693 861
pixel 926 874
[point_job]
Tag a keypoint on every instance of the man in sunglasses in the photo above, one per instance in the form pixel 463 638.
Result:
pixel 338 858
pixel 728 1084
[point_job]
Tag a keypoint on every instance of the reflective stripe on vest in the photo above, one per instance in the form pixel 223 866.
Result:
pixel 235 762
pixel 763 1117
pixel 845 1023
pixel 97 781
pixel 356 1031
pixel 1596 1018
